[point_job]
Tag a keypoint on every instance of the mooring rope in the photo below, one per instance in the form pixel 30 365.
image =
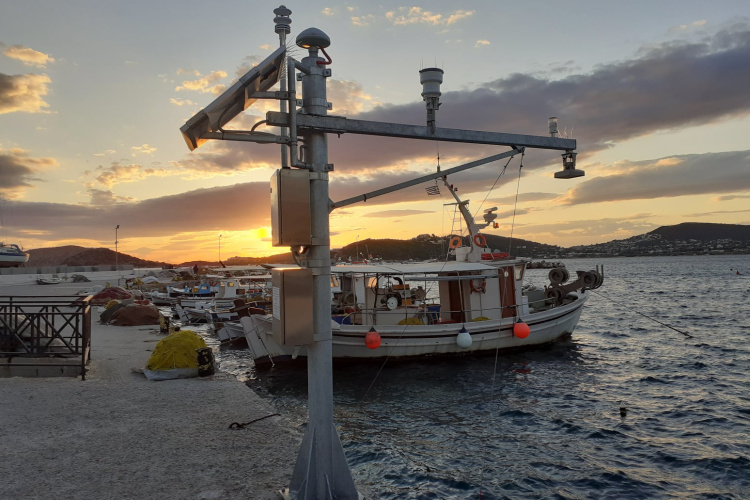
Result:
pixel 644 315
pixel 237 425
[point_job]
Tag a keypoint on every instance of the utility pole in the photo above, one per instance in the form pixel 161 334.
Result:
pixel 117 267
pixel 321 471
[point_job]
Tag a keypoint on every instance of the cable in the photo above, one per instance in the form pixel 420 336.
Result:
pixel 645 316
pixel 515 205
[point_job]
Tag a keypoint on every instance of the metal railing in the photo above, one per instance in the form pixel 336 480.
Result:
pixel 45 331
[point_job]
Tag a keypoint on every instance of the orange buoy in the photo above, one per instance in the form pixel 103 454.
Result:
pixel 521 329
pixel 372 339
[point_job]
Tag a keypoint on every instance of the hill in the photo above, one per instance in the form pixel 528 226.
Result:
pixel 688 238
pixel 702 231
pixel 71 255
pixel 685 238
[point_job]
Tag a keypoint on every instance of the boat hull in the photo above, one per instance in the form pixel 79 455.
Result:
pixel 413 341
pixel 13 260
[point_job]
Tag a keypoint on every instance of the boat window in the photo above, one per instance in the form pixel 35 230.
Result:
pixel 519 271
pixel 372 282
pixel 334 280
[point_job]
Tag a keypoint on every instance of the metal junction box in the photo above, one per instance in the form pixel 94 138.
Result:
pixel 290 208
pixel 292 306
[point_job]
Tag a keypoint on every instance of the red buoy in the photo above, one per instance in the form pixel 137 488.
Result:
pixel 372 339
pixel 521 329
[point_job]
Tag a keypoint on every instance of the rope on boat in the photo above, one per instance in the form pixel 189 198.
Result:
pixel 687 335
pixel 495 183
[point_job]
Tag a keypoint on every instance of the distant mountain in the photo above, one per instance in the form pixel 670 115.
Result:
pixel 430 246
pixel 688 238
pixel 72 255
pixel 685 238
pixel 702 231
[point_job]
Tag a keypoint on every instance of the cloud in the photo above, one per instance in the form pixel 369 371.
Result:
pixel 18 170
pixel 731 197
pixel 363 20
pixel 100 197
pixel 116 173
pixel 572 232
pixel 27 56
pixel 668 87
pixel 398 213
pixel 415 15
pixel 726 172
pixel 182 102
pixel 481 43
pixel 205 84
pixel 242 206
pixel 248 63
pixel 349 97
pixel 145 149
pixel 23 93
pixel 105 153
pixel 524 198
pixel 327 11
pixel 717 212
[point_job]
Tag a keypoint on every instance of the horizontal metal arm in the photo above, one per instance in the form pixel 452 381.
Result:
pixel 261 137
pixel 340 125
pixel 425 178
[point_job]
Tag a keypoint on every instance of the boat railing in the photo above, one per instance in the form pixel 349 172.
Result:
pixel 45 332
pixel 425 314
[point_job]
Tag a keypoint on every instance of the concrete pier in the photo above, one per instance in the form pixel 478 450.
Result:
pixel 117 435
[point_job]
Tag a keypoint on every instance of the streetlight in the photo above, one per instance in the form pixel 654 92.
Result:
pixel 219 249
pixel 117 267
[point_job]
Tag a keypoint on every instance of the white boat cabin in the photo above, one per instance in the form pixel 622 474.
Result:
pixel 430 293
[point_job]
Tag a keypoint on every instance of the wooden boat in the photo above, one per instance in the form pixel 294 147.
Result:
pixel 411 310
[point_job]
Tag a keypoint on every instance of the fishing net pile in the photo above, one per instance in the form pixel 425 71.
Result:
pixel 176 356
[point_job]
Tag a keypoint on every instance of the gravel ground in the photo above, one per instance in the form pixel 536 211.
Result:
pixel 118 436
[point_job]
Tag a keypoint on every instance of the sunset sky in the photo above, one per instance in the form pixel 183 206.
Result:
pixel 93 94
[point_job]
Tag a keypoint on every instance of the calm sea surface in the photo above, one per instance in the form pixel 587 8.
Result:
pixel 546 423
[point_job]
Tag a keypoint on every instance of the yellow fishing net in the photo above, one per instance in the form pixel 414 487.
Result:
pixel 111 303
pixel 176 350
pixel 481 318
pixel 411 321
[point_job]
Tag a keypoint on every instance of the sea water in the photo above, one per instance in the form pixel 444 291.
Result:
pixel 547 423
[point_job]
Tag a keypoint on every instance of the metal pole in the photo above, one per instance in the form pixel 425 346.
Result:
pixel 321 471
pixel 219 249
pixel 117 267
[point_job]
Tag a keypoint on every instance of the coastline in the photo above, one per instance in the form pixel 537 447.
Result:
pixel 117 435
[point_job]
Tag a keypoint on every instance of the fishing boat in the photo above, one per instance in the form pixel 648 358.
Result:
pixel 474 303
pixel 11 255
pixel 411 310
